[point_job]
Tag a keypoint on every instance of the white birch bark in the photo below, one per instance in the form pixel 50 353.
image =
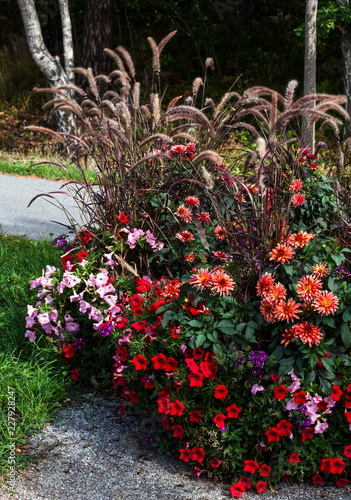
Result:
pixel 309 84
pixel 50 65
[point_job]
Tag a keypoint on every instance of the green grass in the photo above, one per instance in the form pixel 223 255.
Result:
pixel 23 168
pixel 38 382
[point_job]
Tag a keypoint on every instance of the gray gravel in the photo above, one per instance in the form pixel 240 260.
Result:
pixel 44 218
pixel 91 453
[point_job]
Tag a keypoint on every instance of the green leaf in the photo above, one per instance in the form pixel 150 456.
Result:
pixel 249 335
pixel 345 334
pixel 200 340
pixel 330 322
pixel 278 352
pixel 167 317
pixel 196 324
pixel 332 285
pixel 289 269
pixel 338 258
pixel 228 330
pixel 328 364
pixel 346 315
pixel 310 377
pixel 253 324
pixel 225 322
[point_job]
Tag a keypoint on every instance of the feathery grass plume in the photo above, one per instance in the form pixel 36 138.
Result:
pixel 116 58
pixel 224 101
pixel 208 178
pixel 189 101
pixel 157 137
pixel 145 111
pixel 92 83
pixel 290 93
pixel 44 130
pixel 128 60
pixel 108 105
pixel 155 107
pixel 173 102
pixel 110 94
pixel 189 113
pixel 185 136
pixel 262 147
pixel 209 63
pixel 165 40
pixel 197 84
pixel 122 110
pixel 157 49
pixel 136 94
pixel 208 155
pixel 73 88
pixel 209 103
pixel 102 78
pixel 80 71
pixel 155 55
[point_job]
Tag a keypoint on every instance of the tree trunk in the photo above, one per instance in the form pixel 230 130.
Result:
pixel 345 30
pixel 97 36
pixel 309 81
pixel 49 65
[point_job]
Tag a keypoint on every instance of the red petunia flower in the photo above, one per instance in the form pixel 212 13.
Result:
pixel 84 236
pixel 337 466
pixel 219 420
pixel 159 361
pixel 300 397
pixel 163 405
pixel 347 451
pixel 317 479
pixel 176 408
pixel 133 397
pixel 280 392
pixel 178 431
pixel 122 218
pixel 139 326
pixel 294 458
pixel 250 466
pixel 264 470
pixel 185 454
pixel 284 427
pixel 197 454
pixel 325 465
pixel 148 382
pixel 342 482
pixel 261 486
pixel 348 416
pixel 233 411
pixel 171 364
pixel 215 463
pixel 246 481
pixel 336 392
pixel 143 285
pixel 195 379
pixel 306 434
pixel 237 490
pixel 195 416
pixel 67 262
pixel 81 255
pixel 274 377
pixel 220 392
pixel 69 351
pixel 139 362
pixel 75 374
pixel 273 435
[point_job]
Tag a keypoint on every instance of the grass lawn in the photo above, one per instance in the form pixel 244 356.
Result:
pixel 28 376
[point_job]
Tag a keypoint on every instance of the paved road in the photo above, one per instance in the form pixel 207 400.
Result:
pixel 44 218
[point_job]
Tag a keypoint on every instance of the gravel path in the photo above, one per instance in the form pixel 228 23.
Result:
pixel 91 453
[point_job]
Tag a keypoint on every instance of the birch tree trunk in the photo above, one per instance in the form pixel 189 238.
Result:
pixel 345 30
pixel 50 65
pixel 309 81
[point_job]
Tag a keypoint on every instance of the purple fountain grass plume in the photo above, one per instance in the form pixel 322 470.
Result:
pixel 190 113
pixel 290 94
pixel 116 58
pixel 128 60
pixel 54 135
